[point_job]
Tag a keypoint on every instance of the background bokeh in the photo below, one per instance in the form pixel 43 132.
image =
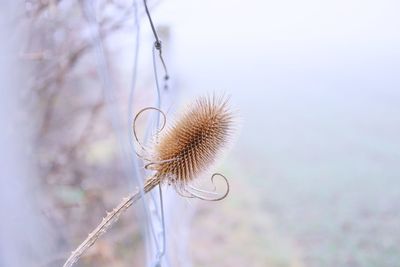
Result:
pixel 316 166
pixel 314 169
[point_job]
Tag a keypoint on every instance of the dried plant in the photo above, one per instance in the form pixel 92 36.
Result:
pixel 183 152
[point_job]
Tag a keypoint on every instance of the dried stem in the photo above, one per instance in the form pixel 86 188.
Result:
pixel 111 218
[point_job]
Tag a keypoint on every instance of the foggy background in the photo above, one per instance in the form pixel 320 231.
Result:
pixel 318 88
pixel 314 169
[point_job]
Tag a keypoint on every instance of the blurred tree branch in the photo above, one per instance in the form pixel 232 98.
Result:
pixel 69 110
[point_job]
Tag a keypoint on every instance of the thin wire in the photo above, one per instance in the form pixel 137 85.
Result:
pixel 163 223
pixel 156 80
pixel 149 229
pixel 157 44
pixel 151 22
pixel 161 252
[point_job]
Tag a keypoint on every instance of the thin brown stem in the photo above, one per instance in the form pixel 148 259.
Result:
pixel 108 221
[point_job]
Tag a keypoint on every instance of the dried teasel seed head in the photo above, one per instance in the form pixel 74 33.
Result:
pixel 193 142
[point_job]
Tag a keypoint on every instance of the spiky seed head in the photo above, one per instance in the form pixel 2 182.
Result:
pixel 193 142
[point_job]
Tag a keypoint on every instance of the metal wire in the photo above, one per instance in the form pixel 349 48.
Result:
pixel 148 226
pixel 157 44
pixel 160 251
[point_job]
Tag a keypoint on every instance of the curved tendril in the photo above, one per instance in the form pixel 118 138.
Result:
pixel 182 194
pixel 142 156
pixel 204 191
pixel 134 125
pixel 195 195
pixel 148 165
